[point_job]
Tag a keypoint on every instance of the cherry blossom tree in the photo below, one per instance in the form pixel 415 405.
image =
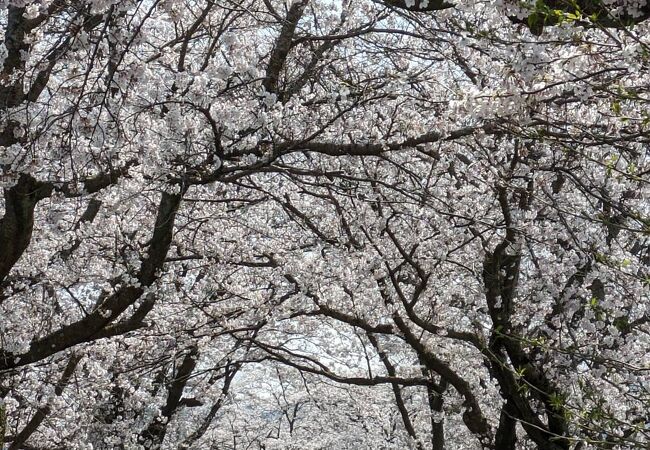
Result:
pixel 307 224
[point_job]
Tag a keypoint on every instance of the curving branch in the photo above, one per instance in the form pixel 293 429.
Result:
pixel 41 413
pixel 91 327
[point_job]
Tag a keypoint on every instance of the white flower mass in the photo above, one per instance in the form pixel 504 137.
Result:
pixel 324 224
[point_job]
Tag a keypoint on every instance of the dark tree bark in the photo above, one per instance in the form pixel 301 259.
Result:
pixel 154 435
pixel 506 434
pixel 41 413
pixel 500 276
